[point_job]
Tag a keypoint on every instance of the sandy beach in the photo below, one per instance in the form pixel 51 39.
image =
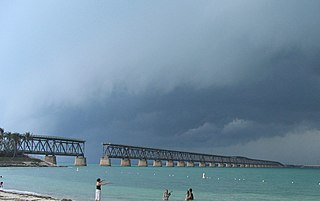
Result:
pixel 22 196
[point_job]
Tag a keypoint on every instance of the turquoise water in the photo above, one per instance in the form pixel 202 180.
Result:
pixel 148 183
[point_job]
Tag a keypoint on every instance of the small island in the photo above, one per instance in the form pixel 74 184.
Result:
pixel 10 155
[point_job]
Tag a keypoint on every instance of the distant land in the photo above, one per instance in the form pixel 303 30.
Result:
pixel 302 166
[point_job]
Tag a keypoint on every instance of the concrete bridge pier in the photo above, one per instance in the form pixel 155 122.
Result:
pixel 202 164
pixel 142 163
pixel 125 162
pixel 157 163
pixel 169 163
pixel 80 161
pixel 50 159
pixel 190 164
pixel 105 161
pixel 181 164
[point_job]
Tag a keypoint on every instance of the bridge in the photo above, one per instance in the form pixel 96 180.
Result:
pixel 50 146
pixel 176 158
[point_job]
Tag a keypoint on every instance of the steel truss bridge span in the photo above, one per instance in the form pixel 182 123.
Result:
pixel 49 145
pixel 127 152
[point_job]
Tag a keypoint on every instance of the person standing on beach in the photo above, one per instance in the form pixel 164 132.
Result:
pixel 98 188
pixel 1 183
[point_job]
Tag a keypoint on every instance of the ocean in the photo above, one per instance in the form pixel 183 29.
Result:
pixel 149 183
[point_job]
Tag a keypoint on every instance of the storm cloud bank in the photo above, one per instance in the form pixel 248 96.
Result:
pixel 221 77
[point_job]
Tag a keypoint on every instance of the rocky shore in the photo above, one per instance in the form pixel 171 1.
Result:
pixel 22 196
pixel 23 161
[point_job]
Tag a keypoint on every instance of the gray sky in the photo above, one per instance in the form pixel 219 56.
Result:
pixel 218 77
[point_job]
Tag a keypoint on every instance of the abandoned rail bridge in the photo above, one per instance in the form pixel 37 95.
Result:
pixel 52 146
pixel 177 158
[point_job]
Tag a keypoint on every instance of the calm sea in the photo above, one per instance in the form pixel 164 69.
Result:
pixel 148 183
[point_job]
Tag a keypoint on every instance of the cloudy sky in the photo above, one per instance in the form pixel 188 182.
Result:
pixel 218 77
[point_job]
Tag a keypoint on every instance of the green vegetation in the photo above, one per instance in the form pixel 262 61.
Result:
pixel 10 154
pixel 10 143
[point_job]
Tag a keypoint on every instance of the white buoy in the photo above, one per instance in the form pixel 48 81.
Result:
pixel 262 180
pixel 77 169
pixel 203 175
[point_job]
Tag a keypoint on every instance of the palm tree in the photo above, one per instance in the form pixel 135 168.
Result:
pixel 1 141
pixel 10 143
pixel 15 139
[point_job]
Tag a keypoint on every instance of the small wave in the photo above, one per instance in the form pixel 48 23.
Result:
pixel 24 193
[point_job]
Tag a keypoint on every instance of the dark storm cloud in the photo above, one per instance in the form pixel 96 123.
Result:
pixel 181 75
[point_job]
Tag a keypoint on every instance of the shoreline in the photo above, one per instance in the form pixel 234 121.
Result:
pixel 23 161
pixel 14 195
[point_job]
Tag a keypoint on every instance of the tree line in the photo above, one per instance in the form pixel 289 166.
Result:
pixel 10 142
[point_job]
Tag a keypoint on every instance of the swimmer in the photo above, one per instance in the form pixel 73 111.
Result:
pixel 166 194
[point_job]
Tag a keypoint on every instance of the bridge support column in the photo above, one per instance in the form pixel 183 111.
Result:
pixel 181 164
pixel 202 164
pixel 80 161
pixel 142 163
pixel 125 162
pixel 105 161
pixel 157 163
pixel 51 159
pixel 169 163
pixel 190 164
